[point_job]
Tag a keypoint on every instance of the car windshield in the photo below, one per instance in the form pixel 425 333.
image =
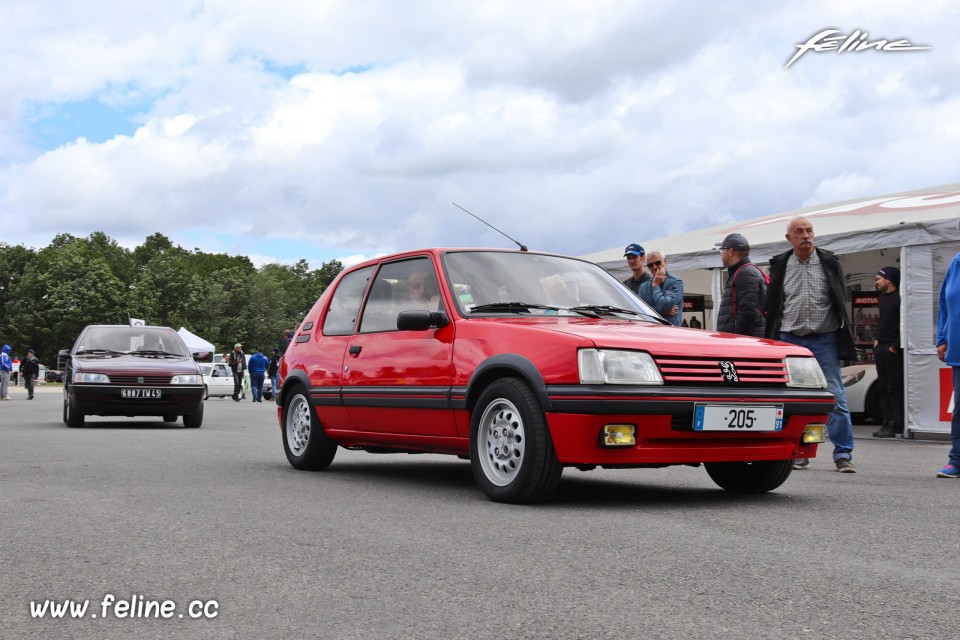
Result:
pixel 510 282
pixel 148 342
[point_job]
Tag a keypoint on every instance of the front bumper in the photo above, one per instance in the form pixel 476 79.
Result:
pixel 105 400
pixel 664 425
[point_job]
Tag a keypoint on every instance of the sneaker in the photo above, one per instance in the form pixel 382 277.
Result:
pixel 845 466
pixel 801 463
pixel 949 471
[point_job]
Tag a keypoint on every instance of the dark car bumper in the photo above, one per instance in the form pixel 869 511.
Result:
pixel 107 400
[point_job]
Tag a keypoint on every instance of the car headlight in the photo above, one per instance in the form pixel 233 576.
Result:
pixel 609 366
pixel 185 379
pixel 853 378
pixel 96 378
pixel 805 372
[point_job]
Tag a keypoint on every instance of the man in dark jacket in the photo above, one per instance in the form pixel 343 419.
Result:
pixel 238 364
pixel 29 370
pixel 888 354
pixel 807 306
pixel 744 297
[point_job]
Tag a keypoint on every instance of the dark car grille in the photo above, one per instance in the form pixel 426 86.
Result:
pixel 137 380
pixel 688 370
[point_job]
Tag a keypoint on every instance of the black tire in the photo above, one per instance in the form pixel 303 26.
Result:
pixel 873 406
pixel 206 392
pixel 170 418
pixel 749 477
pixel 72 417
pixel 304 440
pixel 192 421
pixel 511 452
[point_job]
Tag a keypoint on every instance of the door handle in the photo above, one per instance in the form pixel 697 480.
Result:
pixel 355 349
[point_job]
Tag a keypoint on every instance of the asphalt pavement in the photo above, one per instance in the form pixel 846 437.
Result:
pixel 215 522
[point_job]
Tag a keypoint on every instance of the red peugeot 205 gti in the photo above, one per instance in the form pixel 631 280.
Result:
pixel 527 363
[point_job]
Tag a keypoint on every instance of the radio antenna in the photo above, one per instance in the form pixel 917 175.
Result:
pixel 522 246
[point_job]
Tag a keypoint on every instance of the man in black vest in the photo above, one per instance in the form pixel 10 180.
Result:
pixel 807 306
pixel 888 354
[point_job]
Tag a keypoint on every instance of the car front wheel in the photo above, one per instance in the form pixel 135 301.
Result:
pixel 304 441
pixel 749 477
pixel 71 416
pixel 194 420
pixel 511 452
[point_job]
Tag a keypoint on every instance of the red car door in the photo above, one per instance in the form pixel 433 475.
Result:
pixel 398 382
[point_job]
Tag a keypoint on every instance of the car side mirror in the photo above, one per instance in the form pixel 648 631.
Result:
pixel 64 352
pixel 421 320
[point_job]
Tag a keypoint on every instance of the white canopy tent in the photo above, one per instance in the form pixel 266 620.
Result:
pixel 919 229
pixel 195 343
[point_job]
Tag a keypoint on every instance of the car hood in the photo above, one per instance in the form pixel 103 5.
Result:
pixel 656 338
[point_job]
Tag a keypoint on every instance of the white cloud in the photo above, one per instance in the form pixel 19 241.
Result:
pixel 569 125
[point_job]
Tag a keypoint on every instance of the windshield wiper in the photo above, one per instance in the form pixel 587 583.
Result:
pixel 604 309
pixel 106 352
pixel 153 353
pixel 515 307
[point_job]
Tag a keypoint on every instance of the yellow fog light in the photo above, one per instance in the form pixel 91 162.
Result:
pixel 814 433
pixel 619 435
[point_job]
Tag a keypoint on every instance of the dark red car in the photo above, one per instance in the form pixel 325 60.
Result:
pixel 117 370
pixel 528 363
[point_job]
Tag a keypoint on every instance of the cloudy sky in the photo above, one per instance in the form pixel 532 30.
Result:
pixel 324 129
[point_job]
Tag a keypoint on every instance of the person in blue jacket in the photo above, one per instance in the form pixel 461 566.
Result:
pixel 258 369
pixel 6 366
pixel 664 291
pixel 948 350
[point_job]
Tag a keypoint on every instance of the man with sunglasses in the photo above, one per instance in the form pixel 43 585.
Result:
pixel 663 291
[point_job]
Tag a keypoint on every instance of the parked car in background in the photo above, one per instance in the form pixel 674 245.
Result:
pixel 863 392
pixel 118 370
pixel 217 380
pixel 527 363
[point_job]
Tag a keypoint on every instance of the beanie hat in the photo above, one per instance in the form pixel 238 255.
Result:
pixel 892 274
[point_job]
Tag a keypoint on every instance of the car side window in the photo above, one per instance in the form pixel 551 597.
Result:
pixel 345 303
pixel 399 286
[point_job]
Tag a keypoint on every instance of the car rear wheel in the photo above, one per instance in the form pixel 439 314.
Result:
pixel 192 421
pixel 304 440
pixel 749 477
pixel 511 452
pixel 71 416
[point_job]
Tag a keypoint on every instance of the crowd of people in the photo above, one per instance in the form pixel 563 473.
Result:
pixel 257 366
pixel 803 301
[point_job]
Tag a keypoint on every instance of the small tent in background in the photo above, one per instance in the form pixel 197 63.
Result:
pixel 195 343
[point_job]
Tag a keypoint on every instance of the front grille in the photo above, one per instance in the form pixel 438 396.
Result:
pixel 696 370
pixel 135 380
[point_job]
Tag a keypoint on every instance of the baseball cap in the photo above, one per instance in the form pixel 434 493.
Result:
pixel 733 241
pixel 634 250
pixel 30 351
pixel 237 345
pixel 890 273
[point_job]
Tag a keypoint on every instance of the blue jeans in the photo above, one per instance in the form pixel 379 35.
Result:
pixel 955 420
pixel 256 386
pixel 823 346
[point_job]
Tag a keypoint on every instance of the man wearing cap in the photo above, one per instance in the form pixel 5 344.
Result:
pixel 635 256
pixel 745 294
pixel 807 306
pixel 29 370
pixel 238 364
pixel 888 354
